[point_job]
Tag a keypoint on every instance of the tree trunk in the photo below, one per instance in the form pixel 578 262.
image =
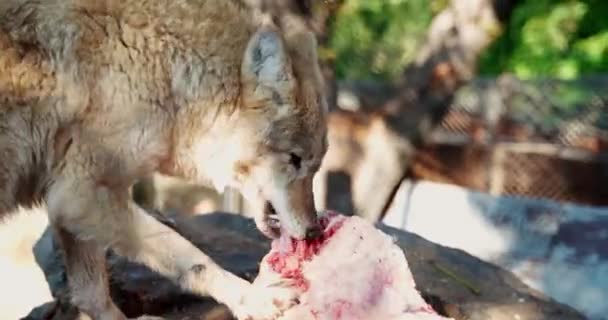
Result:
pixel 374 148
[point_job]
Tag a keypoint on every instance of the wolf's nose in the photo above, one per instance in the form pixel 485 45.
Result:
pixel 313 232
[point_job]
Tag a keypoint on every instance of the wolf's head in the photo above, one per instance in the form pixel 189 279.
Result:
pixel 278 135
pixel 284 105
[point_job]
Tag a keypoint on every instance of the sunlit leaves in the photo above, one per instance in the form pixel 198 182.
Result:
pixel 549 38
pixel 376 39
pixel 543 38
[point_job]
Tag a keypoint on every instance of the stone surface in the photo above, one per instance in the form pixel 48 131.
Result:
pixel 560 249
pixel 455 283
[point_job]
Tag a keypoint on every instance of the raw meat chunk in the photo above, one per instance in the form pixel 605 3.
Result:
pixel 354 271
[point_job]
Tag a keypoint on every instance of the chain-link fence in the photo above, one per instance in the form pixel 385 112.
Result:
pixel 542 138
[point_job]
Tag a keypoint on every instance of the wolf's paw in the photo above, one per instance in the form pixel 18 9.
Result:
pixel 266 302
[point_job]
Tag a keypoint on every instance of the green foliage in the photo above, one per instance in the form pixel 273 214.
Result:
pixel 552 38
pixel 376 39
pixel 543 38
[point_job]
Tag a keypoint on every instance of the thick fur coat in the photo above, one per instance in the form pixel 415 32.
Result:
pixel 95 94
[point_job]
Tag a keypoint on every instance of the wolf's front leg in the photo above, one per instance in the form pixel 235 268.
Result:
pixel 164 250
pixel 87 278
pixel 110 218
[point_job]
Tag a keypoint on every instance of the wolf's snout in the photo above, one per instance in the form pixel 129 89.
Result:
pixel 314 232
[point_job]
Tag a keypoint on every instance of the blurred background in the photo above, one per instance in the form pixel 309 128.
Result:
pixel 480 125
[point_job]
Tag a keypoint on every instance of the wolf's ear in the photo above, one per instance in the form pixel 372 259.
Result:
pixel 266 62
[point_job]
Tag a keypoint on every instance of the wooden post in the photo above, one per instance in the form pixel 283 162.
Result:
pixel 496 176
pixel 232 201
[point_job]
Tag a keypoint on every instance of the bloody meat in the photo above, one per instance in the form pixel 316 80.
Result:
pixel 352 272
pixel 288 255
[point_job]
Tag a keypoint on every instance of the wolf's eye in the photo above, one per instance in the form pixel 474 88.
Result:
pixel 295 161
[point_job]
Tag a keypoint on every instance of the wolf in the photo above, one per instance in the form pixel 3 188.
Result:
pixel 95 94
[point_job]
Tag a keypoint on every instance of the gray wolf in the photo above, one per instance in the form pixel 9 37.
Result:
pixel 95 94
